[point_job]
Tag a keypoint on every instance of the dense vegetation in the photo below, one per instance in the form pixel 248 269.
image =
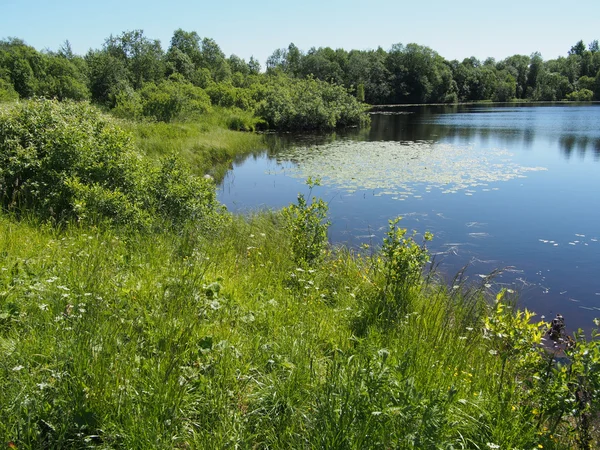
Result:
pixel 416 74
pixel 136 313
pixel 132 76
pixel 203 330
pixel 67 161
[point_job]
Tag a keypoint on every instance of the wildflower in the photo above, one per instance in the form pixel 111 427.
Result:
pixel 492 445
pixel 17 368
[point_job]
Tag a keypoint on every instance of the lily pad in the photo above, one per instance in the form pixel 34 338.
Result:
pixel 399 167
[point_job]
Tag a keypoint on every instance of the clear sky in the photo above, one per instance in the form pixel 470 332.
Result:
pixel 455 29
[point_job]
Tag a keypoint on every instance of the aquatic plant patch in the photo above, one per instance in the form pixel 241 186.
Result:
pixel 404 169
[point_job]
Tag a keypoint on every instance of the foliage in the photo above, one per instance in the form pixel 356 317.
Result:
pixel 307 226
pixel 172 99
pixel 66 161
pixel 397 270
pixel 141 57
pixel 7 91
pixel 114 74
pixel 582 95
pixel 292 104
pixel 192 338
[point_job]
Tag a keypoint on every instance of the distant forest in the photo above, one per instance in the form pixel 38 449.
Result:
pixel 130 70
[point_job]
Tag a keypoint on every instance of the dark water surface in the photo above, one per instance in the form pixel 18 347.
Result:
pixel 510 186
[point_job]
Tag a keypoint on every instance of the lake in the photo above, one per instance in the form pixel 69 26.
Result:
pixel 514 187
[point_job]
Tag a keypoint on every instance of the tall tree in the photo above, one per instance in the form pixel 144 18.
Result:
pixel 577 49
pixel 142 57
pixel 214 60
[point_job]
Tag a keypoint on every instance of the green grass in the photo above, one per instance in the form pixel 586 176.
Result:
pixel 207 144
pixel 254 333
pixel 123 340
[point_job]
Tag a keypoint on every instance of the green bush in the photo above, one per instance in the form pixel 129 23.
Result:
pixel 66 160
pixel 228 96
pixel 307 226
pixel 169 100
pixel 7 91
pixel 309 104
pixel 582 95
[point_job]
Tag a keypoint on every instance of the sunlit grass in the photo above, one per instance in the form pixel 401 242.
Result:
pixel 254 333
pixel 129 340
pixel 207 144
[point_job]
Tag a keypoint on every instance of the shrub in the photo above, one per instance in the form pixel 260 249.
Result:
pixel 228 96
pixel 582 95
pixel 307 226
pixel 308 104
pixel 7 91
pixel 172 99
pixel 401 266
pixel 66 160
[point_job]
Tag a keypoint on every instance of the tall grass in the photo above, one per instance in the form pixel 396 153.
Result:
pixel 254 333
pixel 118 339
pixel 208 144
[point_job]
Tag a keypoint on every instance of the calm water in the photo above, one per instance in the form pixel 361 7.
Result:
pixel 500 187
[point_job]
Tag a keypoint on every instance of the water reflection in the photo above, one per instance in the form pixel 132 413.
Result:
pixel 546 224
pixel 573 127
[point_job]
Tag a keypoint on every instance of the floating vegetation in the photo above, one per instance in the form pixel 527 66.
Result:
pixel 401 169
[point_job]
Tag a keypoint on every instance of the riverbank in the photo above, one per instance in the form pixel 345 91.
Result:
pixel 488 102
pixel 253 332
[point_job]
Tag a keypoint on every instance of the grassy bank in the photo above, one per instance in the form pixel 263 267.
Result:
pixel 118 339
pixel 208 144
pixel 217 331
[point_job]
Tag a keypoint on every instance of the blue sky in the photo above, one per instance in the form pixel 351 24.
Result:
pixel 455 29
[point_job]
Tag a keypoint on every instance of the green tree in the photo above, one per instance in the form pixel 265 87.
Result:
pixel 536 68
pixel 179 62
pixel 108 76
pixel 419 74
pixel 277 61
pixel 322 64
pixel 577 49
pixel 23 65
pixel 517 66
pixel 188 43
pixel 143 58
pixel 238 65
pixel 254 66
pixel 214 60
pixel 63 80
pixel 293 60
